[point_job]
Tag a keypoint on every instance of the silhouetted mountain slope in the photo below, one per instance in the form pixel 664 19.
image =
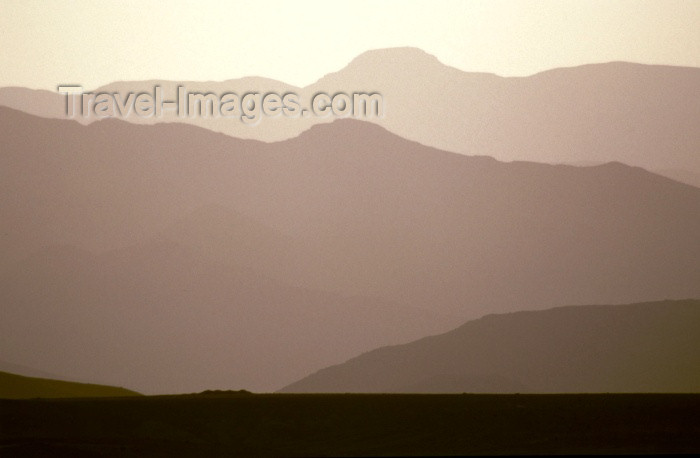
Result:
pixel 158 317
pixel 19 369
pixel 682 176
pixel 648 347
pixel 14 386
pixel 243 264
pixel 362 211
pixel 643 115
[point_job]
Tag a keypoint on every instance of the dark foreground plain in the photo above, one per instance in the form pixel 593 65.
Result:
pixel 220 424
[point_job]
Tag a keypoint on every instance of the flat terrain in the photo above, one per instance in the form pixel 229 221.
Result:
pixel 351 424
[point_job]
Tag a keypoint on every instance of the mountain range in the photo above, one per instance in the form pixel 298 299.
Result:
pixel 170 258
pixel 641 115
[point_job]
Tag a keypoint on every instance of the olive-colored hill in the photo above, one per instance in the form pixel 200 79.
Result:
pixel 14 386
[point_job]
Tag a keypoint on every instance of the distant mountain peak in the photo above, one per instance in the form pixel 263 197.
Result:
pixel 403 52
pixel 390 61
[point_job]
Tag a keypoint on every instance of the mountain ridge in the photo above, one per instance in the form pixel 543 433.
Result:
pixel 639 114
pixel 346 231
pixel 557 360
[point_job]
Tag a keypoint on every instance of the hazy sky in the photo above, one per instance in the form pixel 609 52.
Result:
pixel 45 44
